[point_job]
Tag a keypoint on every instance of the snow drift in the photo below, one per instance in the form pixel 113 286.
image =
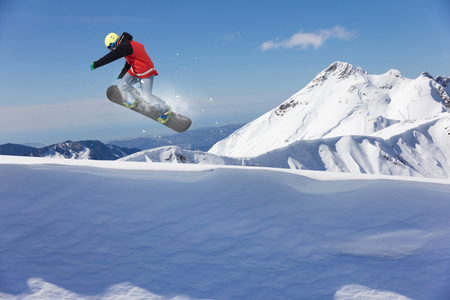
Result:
pixel 110 229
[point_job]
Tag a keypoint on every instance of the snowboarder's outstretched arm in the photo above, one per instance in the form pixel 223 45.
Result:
pixel 122 50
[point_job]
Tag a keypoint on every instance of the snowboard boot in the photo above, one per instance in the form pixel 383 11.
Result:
pixel 163 118
pixel 130 104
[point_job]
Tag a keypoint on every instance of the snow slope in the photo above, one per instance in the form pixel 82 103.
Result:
pixel 341 101
pixel 422 151
pixel 110 229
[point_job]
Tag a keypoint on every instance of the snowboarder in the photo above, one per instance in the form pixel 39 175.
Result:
pixel 138 68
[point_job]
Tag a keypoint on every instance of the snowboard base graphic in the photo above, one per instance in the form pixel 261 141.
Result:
pixel 177 122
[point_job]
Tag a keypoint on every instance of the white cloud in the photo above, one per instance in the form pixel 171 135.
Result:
pixel 304 40
pixel 232 37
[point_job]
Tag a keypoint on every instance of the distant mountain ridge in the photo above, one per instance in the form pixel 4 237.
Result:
pixel 198 139
pixel 15 149
pixel 95 150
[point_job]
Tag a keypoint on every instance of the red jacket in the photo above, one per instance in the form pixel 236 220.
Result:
pixel 141 64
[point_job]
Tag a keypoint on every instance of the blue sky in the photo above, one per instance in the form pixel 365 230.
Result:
pixel 220 62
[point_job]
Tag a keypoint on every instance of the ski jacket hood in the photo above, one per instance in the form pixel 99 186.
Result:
pixel 125 37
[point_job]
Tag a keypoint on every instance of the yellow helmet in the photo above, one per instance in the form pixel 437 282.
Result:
pixel 111 39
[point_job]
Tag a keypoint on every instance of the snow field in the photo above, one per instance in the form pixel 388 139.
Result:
pixel 102 230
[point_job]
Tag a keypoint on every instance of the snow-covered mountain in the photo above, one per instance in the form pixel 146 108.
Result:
pixel 421 151
pixel 342 101
pixel 345 120
pixel 83 150
pixel 176 154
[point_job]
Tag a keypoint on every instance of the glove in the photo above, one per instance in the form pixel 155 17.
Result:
pixel 92 66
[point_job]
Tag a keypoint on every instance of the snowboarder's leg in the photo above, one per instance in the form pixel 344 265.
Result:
pixel 126 86
pixel 161 106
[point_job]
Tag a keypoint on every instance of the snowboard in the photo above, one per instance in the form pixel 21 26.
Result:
pixel 177 122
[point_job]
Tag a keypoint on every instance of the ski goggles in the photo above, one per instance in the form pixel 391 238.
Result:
pixel 112 46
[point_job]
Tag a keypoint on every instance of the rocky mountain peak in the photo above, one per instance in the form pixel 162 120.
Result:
pixel 338 70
